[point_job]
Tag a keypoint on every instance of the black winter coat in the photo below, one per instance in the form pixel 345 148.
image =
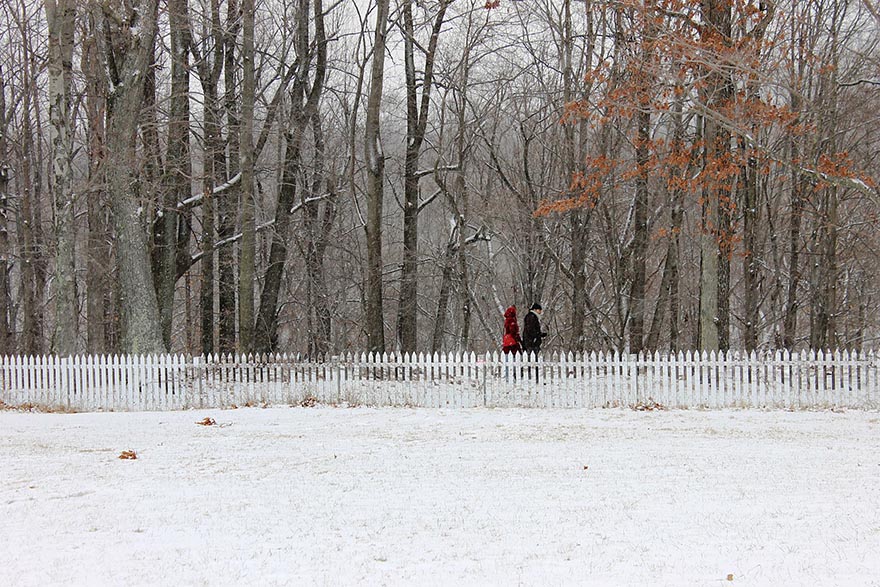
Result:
pixel 531 334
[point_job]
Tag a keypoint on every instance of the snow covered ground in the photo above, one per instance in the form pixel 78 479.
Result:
pixel 329 496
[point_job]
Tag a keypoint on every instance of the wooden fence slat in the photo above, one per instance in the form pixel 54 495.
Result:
pixel 22 392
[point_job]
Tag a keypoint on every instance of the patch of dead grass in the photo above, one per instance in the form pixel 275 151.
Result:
pixel 36 408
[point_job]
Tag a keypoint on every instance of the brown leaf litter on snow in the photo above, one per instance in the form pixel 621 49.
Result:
pixel 648 405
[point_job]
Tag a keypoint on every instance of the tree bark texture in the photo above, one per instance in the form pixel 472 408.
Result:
pixel 714 248
pixel 133 56
pixel 61 18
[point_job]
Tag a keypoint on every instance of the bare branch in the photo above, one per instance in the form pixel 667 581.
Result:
pixel 226 241
pixel 311 200
pixel 423 172
pixel 196 199
pixel 858 82
pixel 430 199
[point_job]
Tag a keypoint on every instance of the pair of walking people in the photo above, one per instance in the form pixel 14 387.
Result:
pixel 532 335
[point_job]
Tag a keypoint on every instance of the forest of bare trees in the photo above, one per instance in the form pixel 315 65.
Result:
pixel 321 176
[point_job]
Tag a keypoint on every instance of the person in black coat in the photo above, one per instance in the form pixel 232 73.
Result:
pixel 532 335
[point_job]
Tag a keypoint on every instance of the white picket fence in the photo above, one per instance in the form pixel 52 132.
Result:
pixel 685 380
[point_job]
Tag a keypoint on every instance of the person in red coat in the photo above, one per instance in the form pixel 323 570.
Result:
pixel 511 343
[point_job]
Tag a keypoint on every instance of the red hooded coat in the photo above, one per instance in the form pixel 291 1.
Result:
pixel 512 343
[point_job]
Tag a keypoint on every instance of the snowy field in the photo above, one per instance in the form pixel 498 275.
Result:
pixel 330 496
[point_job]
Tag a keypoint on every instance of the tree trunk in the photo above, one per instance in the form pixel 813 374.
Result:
pixel 714 284
pixel 575 149
pixel 61 18
pixel 149 177
pixel 206 288
pixel 172 229
pixel 725 250
pixel 640 237
pixel 653 337
pixel 464 286
pixel 751 218
pixel 751 206
pixel 304 107
pixel 825 275
pixel 226 205
pixel 29 221
pixel 140 309
pixel 799 183
pixel 830 270
pixel 445 288
pixel 462 206
pixel 247 251
pixel 789 328
pixel 265 333
pixel 578 229
pixel 317 230
pixel 708 312
pixel 214 164
pixel 824 296
pixel 7 343
pixel 673 256
pixel 670 281
pixel 375 163
pixel 461 199
pixel 98 299
pixel 149 185
pixel 210 66
pixel 416 123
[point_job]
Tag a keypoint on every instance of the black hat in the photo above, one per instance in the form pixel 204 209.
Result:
pixel 536 306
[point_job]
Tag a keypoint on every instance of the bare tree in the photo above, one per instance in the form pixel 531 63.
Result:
pixel 172 228
pixel 416 123
pixel 247 259
pixel 131 32
pixel 375 161
pixel 29 184
pixel 209 61
pixel 304 104
pixel 227 205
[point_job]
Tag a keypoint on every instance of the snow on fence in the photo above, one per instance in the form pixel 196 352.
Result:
pixel 684 380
